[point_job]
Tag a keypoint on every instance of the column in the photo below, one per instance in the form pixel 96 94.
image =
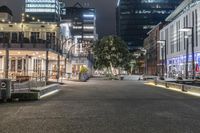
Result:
pixel 6 63
pixel 47 67
pixel 58 68
pixel 23 71
pixel 27 65
pixel 65 64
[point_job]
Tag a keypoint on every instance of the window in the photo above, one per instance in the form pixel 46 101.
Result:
pixel 21 37
pixel 34 37
pixel 50 37
pixel 14 37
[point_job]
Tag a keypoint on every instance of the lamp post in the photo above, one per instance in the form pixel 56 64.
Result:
pixel 67 52
pixel 163 44
pixel 190 29
pixel 146 61
pixel 61 45
pixel 6 64
pixel 66 41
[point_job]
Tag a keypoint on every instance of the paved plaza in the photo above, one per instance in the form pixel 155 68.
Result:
pixel 100 106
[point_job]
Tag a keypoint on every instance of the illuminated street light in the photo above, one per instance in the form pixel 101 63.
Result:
pixel 191 30
pixel 185 30
pixel 163 44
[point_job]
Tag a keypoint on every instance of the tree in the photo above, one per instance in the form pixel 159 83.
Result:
pixel 111 52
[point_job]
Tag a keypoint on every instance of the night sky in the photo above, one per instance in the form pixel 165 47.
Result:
pixel 105 12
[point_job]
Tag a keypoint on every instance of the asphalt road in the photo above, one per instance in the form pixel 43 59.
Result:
pixel 104 107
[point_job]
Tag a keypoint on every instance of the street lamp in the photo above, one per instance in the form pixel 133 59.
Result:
pixel 62 52
pixel 64 42
pixel 146 60
pixel 163 44
pixel 189 29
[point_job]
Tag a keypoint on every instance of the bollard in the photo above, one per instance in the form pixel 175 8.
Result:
pixel 183 88
pixel 166 85
pixel 155 81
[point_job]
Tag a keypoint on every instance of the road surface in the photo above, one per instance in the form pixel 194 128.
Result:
pixel 100 106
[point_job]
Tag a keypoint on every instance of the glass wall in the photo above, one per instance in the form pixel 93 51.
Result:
pixel 135 18
pixel 45 10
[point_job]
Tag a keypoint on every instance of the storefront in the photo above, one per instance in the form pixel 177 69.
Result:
pixel 181 36
pixel 177 66
pixel 31 63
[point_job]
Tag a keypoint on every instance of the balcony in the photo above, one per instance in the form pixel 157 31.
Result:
pixel 26 44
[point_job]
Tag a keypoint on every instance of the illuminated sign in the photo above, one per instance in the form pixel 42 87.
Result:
pixel 88 15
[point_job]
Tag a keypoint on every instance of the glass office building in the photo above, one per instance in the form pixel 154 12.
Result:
pixel 137 17
pixel 83 22
pixel 83 31
pixel 45 10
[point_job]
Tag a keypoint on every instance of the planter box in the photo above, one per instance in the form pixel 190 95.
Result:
pixel 83 77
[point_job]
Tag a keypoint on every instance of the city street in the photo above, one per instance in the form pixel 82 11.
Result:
pixel 100 106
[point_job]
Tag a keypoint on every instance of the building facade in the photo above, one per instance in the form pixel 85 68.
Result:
pixel 32 49
pixel 135 18
pixel 5 14
pixel 44 10
pixel 83 31
pixel 153 62
pixel 182 37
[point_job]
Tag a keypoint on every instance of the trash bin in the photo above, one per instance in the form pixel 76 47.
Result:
pixel 121 78
pixel 5 89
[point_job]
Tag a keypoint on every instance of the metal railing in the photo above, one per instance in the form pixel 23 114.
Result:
pixel 42 45
pixel 26 86
pixel 27 80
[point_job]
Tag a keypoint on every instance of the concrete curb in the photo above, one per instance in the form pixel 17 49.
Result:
pixel 36 93
pixel 25 96
pixel 45 90
pixel 181 87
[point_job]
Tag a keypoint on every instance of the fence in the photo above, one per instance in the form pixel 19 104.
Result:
pixel 27 85
pixel 27 80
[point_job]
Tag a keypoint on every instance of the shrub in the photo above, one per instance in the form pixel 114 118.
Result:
pixel 83 69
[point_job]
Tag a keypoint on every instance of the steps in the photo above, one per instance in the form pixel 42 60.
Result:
pixel 35 93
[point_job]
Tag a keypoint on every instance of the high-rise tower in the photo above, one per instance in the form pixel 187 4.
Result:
pixel 45 10
pixel 136 17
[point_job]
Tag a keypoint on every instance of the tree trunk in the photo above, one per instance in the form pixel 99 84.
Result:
pixel 111 68
pixel 109 72
pixel 119 70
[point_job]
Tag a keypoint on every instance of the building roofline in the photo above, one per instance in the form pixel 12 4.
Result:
pixel 154 28
pixel 5 9
pixel 179 9
pixel 158 25
pixel 78 5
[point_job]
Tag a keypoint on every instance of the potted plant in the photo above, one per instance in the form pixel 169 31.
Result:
pixel 83 74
